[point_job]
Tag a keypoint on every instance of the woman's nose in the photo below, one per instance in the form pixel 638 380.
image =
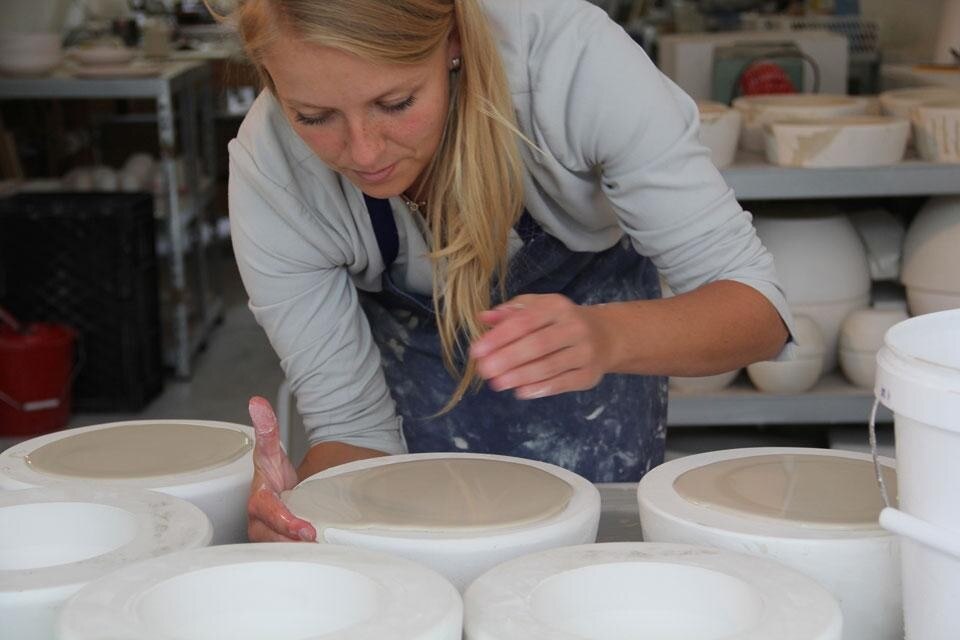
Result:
pixel 366 145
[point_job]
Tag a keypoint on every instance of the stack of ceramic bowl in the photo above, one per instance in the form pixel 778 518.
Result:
pixel 843 141
pixel 861 337
pixel 758 111
pixel 798 373
pixel 901 102
pixel 53 541
pixel 29 54
pixel 936 129
pixel 821 264
pixel 621 590
pixel 719 131
pixel 270 590
pixel 460 514
pixel 207 463
pixel 931 259
pixel 813 510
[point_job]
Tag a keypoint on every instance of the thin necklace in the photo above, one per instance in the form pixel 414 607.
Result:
pixel 415 207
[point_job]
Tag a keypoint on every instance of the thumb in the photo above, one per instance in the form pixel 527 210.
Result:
pixel 265 426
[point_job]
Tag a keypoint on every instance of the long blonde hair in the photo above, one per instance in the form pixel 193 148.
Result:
pixel 474 190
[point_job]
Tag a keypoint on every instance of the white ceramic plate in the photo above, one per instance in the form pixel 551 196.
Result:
pixel 102 55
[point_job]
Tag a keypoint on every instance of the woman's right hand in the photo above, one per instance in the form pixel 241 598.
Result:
pixel 269 520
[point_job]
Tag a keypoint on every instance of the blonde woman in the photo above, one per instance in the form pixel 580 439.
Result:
pixel 450 215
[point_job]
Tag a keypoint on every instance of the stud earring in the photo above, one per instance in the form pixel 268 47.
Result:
pixel 455 64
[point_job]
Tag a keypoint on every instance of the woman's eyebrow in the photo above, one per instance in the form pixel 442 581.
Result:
pixel 403 88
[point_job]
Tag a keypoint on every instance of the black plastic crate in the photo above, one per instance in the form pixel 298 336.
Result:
pixel 89 260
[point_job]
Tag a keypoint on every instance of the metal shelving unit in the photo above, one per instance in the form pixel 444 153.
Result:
pixel 752 178
pixel 833 400
pixel 183 95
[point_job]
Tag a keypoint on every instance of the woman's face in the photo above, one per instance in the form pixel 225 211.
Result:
pixel 377 124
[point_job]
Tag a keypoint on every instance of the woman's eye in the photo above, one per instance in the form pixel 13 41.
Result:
pixel 400 106
pixel 311 120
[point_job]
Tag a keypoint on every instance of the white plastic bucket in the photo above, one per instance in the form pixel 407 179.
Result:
pixel 932 582
pixel 918 378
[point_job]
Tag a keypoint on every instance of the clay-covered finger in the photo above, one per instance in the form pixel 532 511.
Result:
pixel 266 506
pixel 257 531
pixel 265 425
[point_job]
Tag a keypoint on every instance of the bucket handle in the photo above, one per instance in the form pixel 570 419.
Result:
pixel 50 403
pixel 930 535
pixel 876 457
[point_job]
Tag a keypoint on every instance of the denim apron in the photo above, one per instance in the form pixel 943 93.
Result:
pixel 611 433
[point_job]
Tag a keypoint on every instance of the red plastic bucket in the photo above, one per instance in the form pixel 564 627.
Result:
pixel 36 370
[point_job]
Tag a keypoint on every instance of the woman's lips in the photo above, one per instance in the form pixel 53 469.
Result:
pixel 376 176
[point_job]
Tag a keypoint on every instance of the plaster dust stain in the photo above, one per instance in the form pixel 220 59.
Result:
pixel 810 146
pixel 593 415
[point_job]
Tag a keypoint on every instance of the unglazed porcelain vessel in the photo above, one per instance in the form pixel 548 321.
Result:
pixel 460 514
pixel 627 590
pixel 799 373
pixel 931 261
pixel 207 463
pixel 760 110
pixel 861 337
pixel 53 541
pixel 814 510
pixel 936 128
pixel 719 131
pixel 821 263
pixel 269 590
pixel 848 141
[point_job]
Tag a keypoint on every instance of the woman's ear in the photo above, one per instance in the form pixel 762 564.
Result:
pixel 454 50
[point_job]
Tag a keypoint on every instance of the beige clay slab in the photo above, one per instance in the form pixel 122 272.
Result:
pixel 136 451
pixel 437 495
pixel 811 490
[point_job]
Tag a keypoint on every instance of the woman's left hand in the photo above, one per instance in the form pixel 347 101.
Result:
pixel 542 345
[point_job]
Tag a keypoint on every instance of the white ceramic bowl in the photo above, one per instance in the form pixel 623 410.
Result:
pixel 801 372
pixel 703 384
pixel 129 455
pixel 829 317
pixel 760 110
pixel 53 541
pixel 863 329
pixel 813 510
pixel 936 128
pixel 931 260
pixel 821 263
pixel 818 254
pixel 842 141
pixel 900 102
pixel 921 301
pixel 786 376
pixel 859 367
pixel 460 554
pixel 29 54
pixel 269 590
pixel 626 590
pixel 719 131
